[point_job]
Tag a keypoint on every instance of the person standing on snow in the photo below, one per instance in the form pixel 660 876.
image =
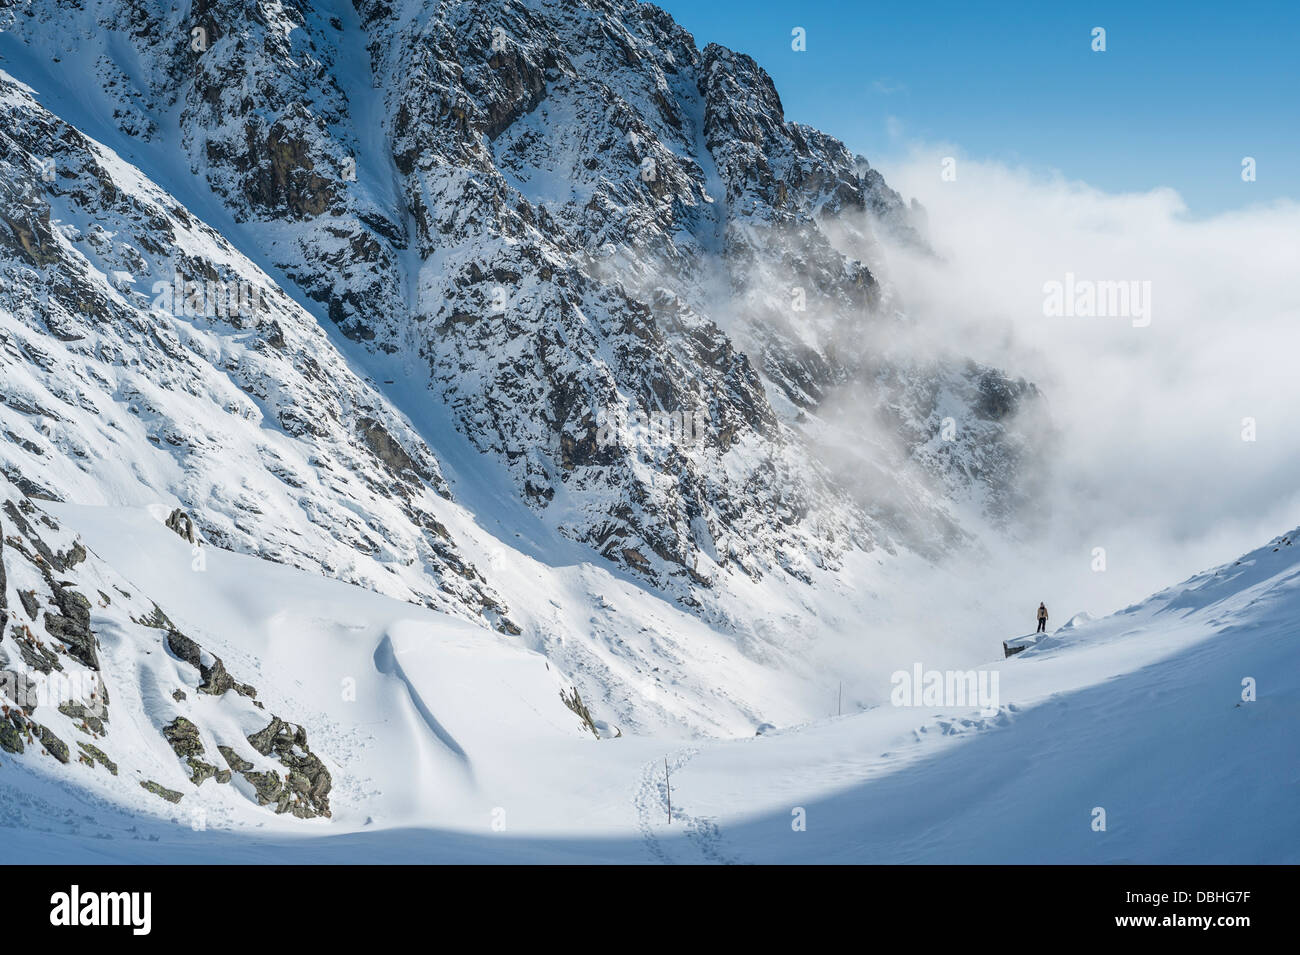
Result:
pixel 1042 618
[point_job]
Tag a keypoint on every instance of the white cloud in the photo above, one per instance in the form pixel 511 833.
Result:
pixel 1151 464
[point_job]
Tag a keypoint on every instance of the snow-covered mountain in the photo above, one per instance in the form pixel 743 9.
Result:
pixel 409 294
pixel 543 327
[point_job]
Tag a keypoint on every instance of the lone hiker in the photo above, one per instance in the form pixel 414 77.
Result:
pixel 1042 618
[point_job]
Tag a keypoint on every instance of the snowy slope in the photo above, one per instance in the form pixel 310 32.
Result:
pixel 447 743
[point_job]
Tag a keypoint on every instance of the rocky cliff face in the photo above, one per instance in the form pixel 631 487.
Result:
pixel 55 679
pixel 635 287
pixel 142 351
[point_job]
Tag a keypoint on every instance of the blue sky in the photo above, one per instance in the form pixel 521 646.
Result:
pixel 1183 92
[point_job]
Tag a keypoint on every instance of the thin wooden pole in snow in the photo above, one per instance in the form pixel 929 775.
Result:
pixel 668 784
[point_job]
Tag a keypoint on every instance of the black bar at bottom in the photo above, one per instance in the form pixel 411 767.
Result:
pixel 312 905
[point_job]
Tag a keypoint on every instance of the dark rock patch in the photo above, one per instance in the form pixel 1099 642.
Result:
pixel 93 721
pixel 72 626
pixel 234 760
pixel 97 756
pixel 162 792
pixel 182 524
pixel 183 737
pixel 214 679
pixel 308 783
pixel 11 741
pixel 53 745
pixel 30 604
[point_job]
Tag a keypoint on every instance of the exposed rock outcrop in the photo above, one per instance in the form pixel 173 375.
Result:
pixel 182 524
pixel 214 678
pixel 161 791
pixel 306 787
